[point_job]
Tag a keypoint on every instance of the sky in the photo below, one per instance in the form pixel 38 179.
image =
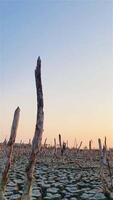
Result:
pixel 74 40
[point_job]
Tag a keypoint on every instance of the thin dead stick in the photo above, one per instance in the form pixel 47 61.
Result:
pixel 79 147
pixel 60 142
pixel 101 161
pixel 10 145
pixel 100 152
pixel 90 145
pixel 36 143
pixel 55 146
pixel 90 150
pixel 105 142
pixel 63 148
pixel 104 155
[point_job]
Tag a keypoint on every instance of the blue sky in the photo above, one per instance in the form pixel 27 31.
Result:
pixel 74 40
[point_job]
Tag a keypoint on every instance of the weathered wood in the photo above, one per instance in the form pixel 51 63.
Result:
pixel 78 148
pixel 9 150
pixel 55 146
pixel 36 143
pixel 100 152
pixel 90 145
pixel 63 148
pixel 60 142
pixel 105 142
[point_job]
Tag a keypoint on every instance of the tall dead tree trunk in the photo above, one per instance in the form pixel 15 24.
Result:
pixel 9 150
pixel 36 143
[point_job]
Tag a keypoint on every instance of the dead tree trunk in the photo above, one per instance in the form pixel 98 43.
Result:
pixel 36 143
pixel 9 150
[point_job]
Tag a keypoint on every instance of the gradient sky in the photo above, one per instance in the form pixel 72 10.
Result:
pixel 74 40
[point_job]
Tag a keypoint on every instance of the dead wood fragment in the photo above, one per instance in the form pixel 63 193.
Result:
pixel 9 150
pixel 36 143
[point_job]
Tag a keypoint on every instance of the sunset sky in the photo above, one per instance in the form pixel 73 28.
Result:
pixel 74 40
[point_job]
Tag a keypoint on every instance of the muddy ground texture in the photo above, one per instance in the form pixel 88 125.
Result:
pixel 73 176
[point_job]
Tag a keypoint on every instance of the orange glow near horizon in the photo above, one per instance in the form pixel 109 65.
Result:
pixel 74 41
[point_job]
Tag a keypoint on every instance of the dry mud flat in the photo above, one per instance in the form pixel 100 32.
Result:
pixel 58 179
